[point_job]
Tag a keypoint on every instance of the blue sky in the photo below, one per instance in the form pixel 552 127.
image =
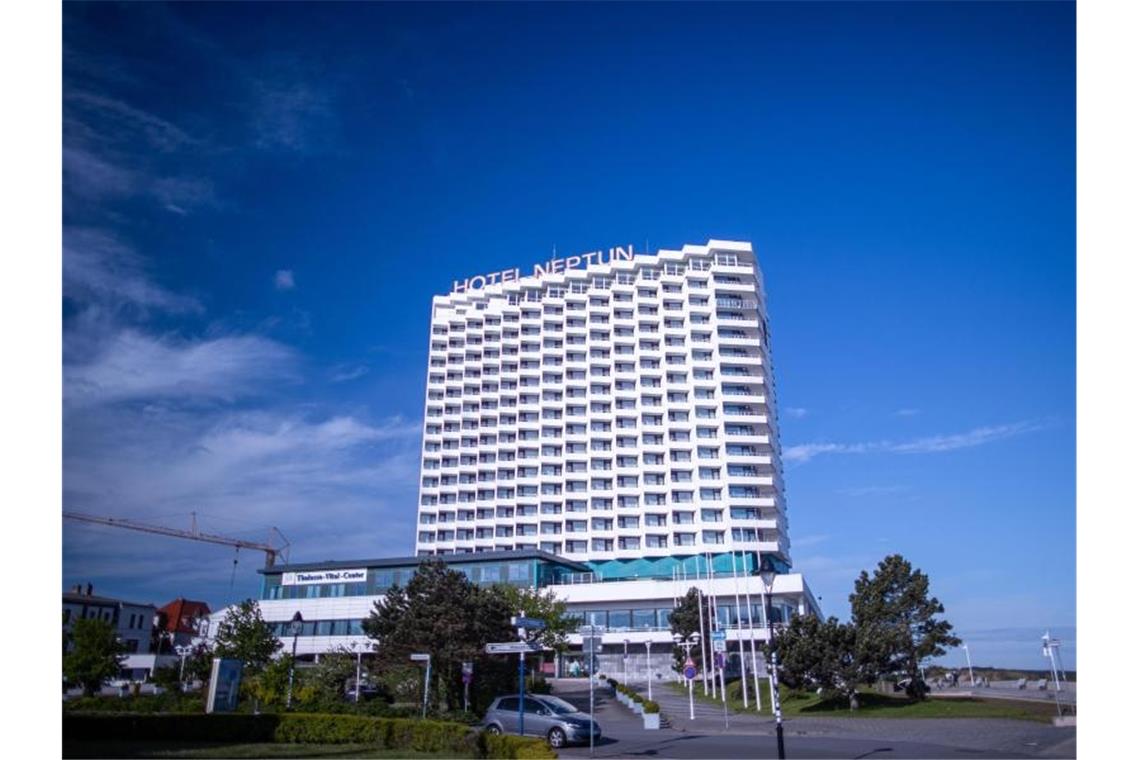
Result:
pixel 260 201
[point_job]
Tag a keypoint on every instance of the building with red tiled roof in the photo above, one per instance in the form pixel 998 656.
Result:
pixel 179 619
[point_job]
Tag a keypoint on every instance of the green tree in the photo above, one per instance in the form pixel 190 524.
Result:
pixel 167 678
pixel 895 625
pixel 545 606
pixel 199 664
pixel 443 614
pixel 334 674
pixel 270 686
pixel 814 652
pixel 244 636
pixel 96 655
pixel 685 619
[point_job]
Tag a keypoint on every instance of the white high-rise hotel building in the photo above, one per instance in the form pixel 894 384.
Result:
pixel 620 414
pixel 605 428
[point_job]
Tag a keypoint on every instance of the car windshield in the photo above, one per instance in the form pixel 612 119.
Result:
pixel 560 707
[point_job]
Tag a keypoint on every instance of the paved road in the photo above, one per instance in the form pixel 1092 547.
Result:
pixel 754 737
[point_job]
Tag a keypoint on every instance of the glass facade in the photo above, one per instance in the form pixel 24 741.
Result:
pixel 284 629
pixel 525 572
pixel 684 567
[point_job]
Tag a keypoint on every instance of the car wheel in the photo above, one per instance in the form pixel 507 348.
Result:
pixel 556 738
pixel 493 729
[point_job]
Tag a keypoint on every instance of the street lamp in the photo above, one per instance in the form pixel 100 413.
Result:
pixel 182 650
pixel 966 648
pixel 687 645
pixel 625 661
pixel 295 624
pixel 649 669
pixel 767 580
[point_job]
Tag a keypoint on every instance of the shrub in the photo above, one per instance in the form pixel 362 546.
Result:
pixel 391 733
pixel 513 747
pixel 651 706
pixel 170 702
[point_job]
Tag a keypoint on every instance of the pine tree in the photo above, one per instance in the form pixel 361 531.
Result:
pixel 443 614
pixel 685 620
pixel 895 624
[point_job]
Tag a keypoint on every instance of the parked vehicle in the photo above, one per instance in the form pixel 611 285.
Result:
pixel 551 718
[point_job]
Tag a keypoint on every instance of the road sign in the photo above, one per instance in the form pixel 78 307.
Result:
pixel 420 657
pixel 467 668
pixel 719 636
pixel 690 669
pixel 720 645
pixel 525 622
pixel 588 630
pixel 512 647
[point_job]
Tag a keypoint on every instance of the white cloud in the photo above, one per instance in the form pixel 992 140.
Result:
pixel 806 451
pixel 127 123
pixel 92 176
pixel 336 486
pixel 290 114
pixel 131 365
pixel 796 412
pixel 283 280
pixel 872 490
pixel 932 444
pixel 975 437
pixel 108 151
pixel 343 373
pixel 906 412
pixel 99 267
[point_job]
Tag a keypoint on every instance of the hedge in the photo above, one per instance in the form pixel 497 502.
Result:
pixel 145 703
pixel 175 727
pixel 302 728
pixel 513 747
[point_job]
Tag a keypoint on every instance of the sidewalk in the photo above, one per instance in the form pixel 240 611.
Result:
pixel 974 734
pixel 707 717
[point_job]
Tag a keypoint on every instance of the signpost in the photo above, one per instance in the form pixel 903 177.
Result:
pixel 524 622
pixel 591 644
pixel 427 677
pixel 690 666
pixel 511 647
pixel 468 669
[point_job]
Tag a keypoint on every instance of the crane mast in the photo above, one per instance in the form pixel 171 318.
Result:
pixel 272 550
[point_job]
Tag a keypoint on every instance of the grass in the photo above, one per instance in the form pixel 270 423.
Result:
pixel 126 748
pixel 875 705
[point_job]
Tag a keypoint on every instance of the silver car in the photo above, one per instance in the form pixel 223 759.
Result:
pixel 554 719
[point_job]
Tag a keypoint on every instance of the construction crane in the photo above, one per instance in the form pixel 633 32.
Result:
pixel 273 549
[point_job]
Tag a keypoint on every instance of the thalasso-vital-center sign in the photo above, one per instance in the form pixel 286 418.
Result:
pixel 553 266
